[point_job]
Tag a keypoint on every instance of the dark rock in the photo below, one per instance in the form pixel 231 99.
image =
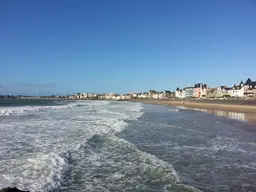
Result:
pixel 11 189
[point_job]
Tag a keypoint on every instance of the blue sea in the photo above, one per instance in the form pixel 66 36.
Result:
pixel 111 146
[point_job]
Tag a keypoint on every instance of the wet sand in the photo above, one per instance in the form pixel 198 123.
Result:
pixel 245 113
pixel 245 117
pixel 192 104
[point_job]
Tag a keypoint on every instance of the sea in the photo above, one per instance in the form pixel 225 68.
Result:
pixel 114 146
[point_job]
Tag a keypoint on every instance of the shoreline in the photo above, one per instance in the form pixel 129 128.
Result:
pixel 212 106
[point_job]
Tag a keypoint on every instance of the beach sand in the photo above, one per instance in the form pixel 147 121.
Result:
pixel 234 111
pixel 191 104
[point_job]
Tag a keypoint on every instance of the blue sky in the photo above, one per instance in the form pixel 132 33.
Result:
pixel 61 47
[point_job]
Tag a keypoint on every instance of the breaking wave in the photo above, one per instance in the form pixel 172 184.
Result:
pixel 109 163
pixel 44 148
pixel 7 111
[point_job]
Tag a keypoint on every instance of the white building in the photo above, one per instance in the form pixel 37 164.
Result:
pixel 161 95
pixel 204 91
pixel 158 95
pixel 188 92
pixel 223 91
pixel 118 97
pixel 143 95
pixel 237 90
pixel 101 97
pixel 179 93
pixel 90 95
pixel 83 95
pixel 155 96
pixel 127 96
pixel 123 97
pixel 135 95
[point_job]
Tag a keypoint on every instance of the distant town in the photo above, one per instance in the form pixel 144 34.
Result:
pixel 243 90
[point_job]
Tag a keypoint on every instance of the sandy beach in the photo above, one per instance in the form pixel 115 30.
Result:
pixel 217 106
pixel 242 112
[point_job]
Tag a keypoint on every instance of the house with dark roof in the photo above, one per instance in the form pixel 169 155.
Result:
pixel 200 90
pixel 248 82
pixel 143 95
pixel 223 91
pixel 247 89
pixel 179 93
pixel 237 90
pixel 250 88
pixel 169 94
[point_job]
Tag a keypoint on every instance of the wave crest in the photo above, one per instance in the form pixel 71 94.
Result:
pixel 7 111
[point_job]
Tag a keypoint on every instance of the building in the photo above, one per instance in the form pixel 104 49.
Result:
pixel 83 95
pixel 223 91
pixel 101 96
pixel 188 92
pixel 151 93
pixel 125 97
pixel 237 90
pixel 90 95
pixel 172 95
pixel 179 93
pixel 135 95
pixel 143 95
pixel 250 88
pixel 118 97
pixel 162 95
pixel 110 96
pixel 155 95
pixel 211 93
pixel 169 94
pixel 204 90
pixel 200 90
pixel 75 96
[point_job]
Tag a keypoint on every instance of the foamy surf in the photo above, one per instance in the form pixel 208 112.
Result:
pixel 42 172
pixel 109 163
pixel 43 146
pixel 7 111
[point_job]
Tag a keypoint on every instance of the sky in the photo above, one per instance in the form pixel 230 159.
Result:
pixel 63 47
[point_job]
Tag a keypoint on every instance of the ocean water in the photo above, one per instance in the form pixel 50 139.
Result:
pixel 122 146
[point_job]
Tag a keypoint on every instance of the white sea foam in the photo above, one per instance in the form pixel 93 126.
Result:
pixel 181 107
pixel 173 110
pixel 42 172
pixel 39 146
pixel 7 111
pixel 119 165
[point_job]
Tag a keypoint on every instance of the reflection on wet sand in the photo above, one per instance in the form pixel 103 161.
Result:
pixel 246 117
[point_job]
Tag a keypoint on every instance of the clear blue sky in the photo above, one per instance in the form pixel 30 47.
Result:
pixel 58 47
